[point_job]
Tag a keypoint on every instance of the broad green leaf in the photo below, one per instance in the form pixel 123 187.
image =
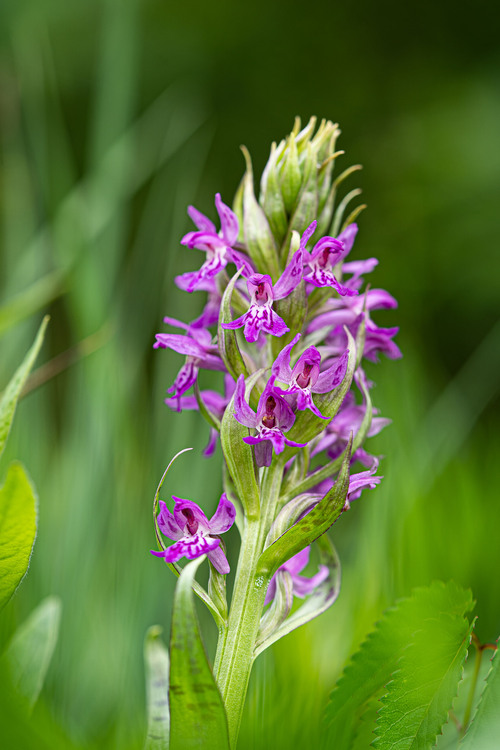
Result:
pixel 197 714
pixel 425 684
pixel 373 665
pixel 11 394
pixel 18 511
pixel 310 527
pixel 157 665
pixel 29 653
pixel 484 730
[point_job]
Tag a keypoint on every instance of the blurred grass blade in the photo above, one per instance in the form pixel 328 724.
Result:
pixel 157 665
pixel 198 717
pixel 17 530
pixel 484 731
pixel 30 651
pixel 32 299
pixel 11 394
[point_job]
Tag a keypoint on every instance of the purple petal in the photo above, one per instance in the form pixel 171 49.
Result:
pixel 190 281
pixel 228 221
pixel 264 453
pixel 348 237
pixel 189 515
pixel 212 443
pixel 242 412
pixel 224 516
pixel 281 367
pixel 291 276
pixel 359 267
pixel 333 376
pixel 238 323
pixel 179 343
pixel 167 523
pixel 308 233
pixel 304 401
pixel 298 562
pixel 302 586
pixel 219 560
pixel 202 222
pixel 241 261
pixel 186 377
pixel 191 547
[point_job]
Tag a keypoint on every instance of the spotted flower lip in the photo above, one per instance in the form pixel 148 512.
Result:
pixel 196 345
pixel 260 316
pixel 193 534
pixel 274 417
pixel 324 257
pixel 302 586
pixel 217 245
pixel 305 377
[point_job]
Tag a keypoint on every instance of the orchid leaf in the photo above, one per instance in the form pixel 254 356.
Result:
pixel 11 394
pixel 30 650
pixel 239 456
pixel 197 714
pixel 157 668
pixel 318 602
pixel 410 624
pixel 484 730
pixel 18 513
pixel 310 527
pixel 258 235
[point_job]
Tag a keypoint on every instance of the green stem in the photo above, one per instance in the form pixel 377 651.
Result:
pixel 470 700
pixel 235 652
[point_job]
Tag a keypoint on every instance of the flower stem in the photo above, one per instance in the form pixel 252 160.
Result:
pixel 235 652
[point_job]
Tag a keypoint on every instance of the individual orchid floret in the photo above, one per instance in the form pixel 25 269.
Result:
pixel 215 403
pixel 260 316
pixel 305 378
pixel 324 257
pixel 194 535
pixel 219 246
pixel 197 345
pixel 302 586
pixel 274 417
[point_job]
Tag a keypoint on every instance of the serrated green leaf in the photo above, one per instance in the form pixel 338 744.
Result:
pixel 484 730
pixel 258 236
pixel 310 527
pixel 18 511
pixel 157 669
pixel 11 394
pixel 30 651
pixel 423 687
pixel 197 714
pixel 240 457
pixel 378 658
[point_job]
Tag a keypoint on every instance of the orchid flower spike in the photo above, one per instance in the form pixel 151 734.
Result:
pixel 193 533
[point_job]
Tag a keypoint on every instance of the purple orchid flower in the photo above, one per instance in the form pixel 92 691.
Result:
pixel 217 245
pixel 194 535
pixel 357 483
pixel 305 378
pixel 260 316
pixel 302 586
pixel 274 417
pixel 324 257
pixel 215 402
pixel 198 348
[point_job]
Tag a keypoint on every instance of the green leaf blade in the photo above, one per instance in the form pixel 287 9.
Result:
pixel 10 396
pixel 197 714
pixel 157 670
pixel 30 651
pixel 18 514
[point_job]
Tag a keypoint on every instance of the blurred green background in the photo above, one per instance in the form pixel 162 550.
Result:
pixel 115 115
